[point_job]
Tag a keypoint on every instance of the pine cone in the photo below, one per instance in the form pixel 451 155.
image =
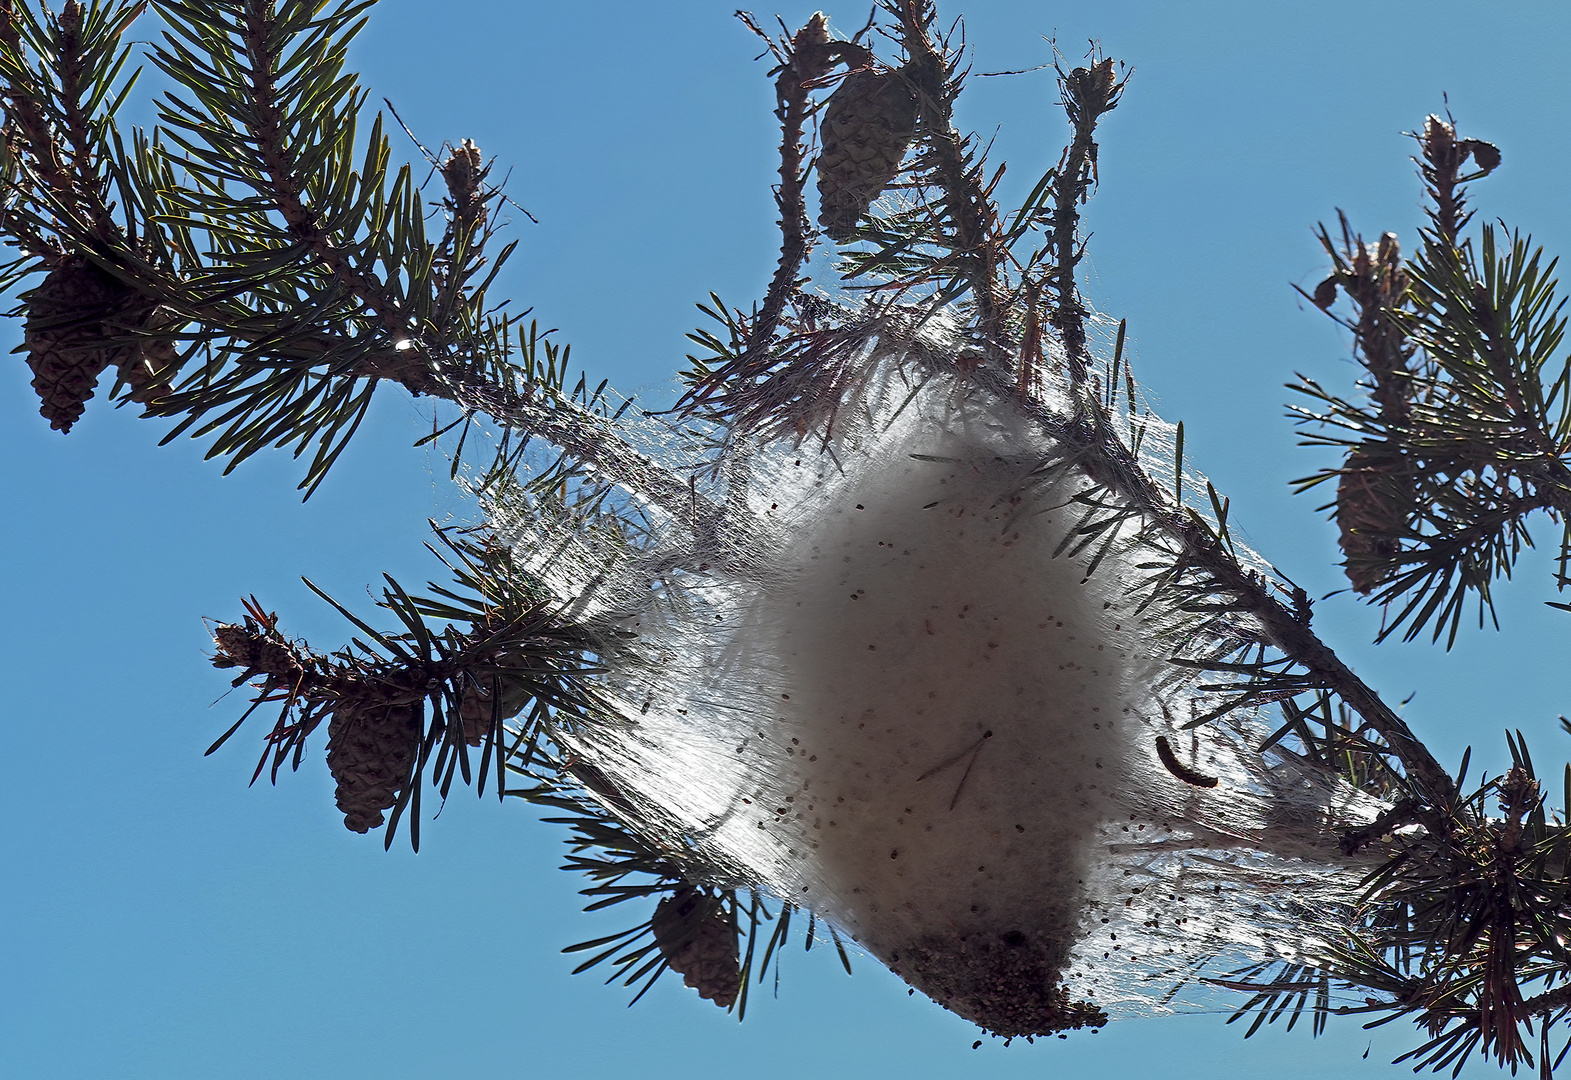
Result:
pixel 464 172
pixel 370 754
pixel 257 651
pixel 867 127
pixel 699 944
pixel 1373 500
pixel 1091 89
pixel 66 339
pixel 475 707
pixel 150 366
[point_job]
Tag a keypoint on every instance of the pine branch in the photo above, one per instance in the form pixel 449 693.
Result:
pixel 1452 930
pixel 1551 1001
pixel 401 704
pixel 1465 439
pixel 584 436
pixel 260 29
pixel 805 59
pixel 801 383
pixel 263 264
pixel 1087 93
pixel 968 207
pixel 60 147
pixel 297 328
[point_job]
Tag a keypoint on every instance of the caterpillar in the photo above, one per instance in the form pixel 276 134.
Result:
pixel 1164 750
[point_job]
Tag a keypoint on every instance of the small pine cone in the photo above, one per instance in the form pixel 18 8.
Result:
pixel 256 651
pixel 1440 147
pixel 370 754
pixel 1518 793
pixel 475 710
pixel 150 367
pixel 66 340
pixel 464 172
pixel 703 952
pixel 867 127
pixel 1091 89
pixel 813 35
pixel 1373 500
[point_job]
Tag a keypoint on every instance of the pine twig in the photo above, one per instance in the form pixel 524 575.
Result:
pixel 1087 93
pixel 1355 840
pixel 804 60
pixel 461 251
pixel 286 187
pixel 1377 490
pixel 970 209
pixel 65 159
pixel 584 436
pixel 30 121
pixel 1441 169
pixel 1547 1002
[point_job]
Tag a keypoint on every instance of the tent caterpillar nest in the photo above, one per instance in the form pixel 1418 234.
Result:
pixel 964 732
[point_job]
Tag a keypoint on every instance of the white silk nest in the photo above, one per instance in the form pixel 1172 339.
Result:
pixel 891 694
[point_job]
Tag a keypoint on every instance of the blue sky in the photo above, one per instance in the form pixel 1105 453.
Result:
pixel 165 921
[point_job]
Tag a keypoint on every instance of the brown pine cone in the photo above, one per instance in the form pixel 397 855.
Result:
pixel 257 651
pixel 475 707
pixel 474 710
pixel 1091 88
pixel 150 366
pixel 66 338
pixel 464 172
pixel 370 754
pixel 867 127
pixel 699 944
pixel 1373 499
